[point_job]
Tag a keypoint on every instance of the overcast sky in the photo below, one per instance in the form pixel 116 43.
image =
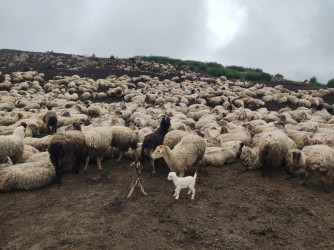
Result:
pixel 291 37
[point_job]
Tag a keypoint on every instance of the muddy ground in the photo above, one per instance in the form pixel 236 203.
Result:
pixel 230 210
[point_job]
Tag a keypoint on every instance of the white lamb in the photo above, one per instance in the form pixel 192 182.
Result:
pixel 183 182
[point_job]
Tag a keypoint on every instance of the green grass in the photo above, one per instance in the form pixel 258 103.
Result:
pixel 213 69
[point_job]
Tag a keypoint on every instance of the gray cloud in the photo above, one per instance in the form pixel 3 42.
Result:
pixel 293 38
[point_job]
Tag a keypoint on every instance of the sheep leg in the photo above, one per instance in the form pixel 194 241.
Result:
pixel 58 173
pixel 189 192
pixel 177 192
pixel 324 180
pixel 120 157
pixel 99 167
pixel 86 166
pixel 153 167
pixel 306 177
pixel 77 162
pixel 136 156
pixel 193 193
pixel 263 173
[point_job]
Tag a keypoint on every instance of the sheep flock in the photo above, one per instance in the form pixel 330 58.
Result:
pixel 211 122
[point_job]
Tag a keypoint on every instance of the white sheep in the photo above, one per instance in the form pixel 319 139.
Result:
pixel 12 145
pixel 37 172
pixel 186 153
pixel 250 157
pixel 124 138
pixel 217 156
pixel 320 159
pixel 273 148
pixel 97 140
pixel 183 182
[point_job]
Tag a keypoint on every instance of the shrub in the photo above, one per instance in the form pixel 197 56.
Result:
pixel 279 76
pixel 112 57
pixel 313 80
pixel 330 83
pixel 253 76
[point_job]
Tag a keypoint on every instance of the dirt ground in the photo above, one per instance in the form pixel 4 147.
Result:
pixel 230 210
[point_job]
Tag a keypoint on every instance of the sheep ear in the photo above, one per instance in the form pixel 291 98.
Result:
pixel 24 124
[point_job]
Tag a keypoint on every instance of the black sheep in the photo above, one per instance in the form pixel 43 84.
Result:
pixel 153 140
pixel 50 119
pixel 64 149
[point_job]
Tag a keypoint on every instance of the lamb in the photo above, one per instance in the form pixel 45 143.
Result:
pixel 64 148
pixel 12 145
pixel 97 140
pixel 183 182
pixel 320 158
pixel 50 119
pixel 186 153
pixel 153 140
pixel 35 173
pixel 273 148
pixel 137 179
pixel 124 138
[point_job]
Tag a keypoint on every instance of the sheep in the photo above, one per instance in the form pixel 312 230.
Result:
pixel 273 148
pixel 186 153
pixel 64 148
pixel 295 162
pixel 35 173
pixel 250 158
pixel 183 182
pixel 50 119
pixel 97 140
pixel 12 145
pixel 28 152
pixel 174 137
pixel 217 157
pixel 153 140
pixel 124 138
pixel 320 158
pixel 40 144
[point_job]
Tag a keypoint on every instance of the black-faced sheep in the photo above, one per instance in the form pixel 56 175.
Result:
pixel 187 153
pixel 65 148
pixel 50 119
pixel 153 140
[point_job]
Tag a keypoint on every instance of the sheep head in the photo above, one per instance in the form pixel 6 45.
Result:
pixel 159 152
pixel 171 176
